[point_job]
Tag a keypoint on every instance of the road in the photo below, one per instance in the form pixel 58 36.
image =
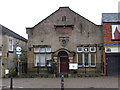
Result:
pixel 84 82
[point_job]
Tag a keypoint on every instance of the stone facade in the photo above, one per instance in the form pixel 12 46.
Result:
pixel 64 31
pixel 9 57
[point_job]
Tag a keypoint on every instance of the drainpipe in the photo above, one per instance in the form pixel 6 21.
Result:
pixel 103 60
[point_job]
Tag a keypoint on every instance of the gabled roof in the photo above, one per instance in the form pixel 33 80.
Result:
pixel 8 32
pixel 110 17
pixel 55 12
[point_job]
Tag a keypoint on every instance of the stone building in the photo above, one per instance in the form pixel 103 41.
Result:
pixel 111 28
pixel 65 38
pixel 9 40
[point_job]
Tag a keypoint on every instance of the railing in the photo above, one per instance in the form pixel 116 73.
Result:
pixel 54 70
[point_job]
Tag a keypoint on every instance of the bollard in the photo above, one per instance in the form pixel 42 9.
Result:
pixel 62 82
pixel 11 83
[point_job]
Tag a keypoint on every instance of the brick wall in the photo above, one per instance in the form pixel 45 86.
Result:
pixel 108 34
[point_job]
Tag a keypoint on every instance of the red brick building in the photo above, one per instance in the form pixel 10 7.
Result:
pixel 111 27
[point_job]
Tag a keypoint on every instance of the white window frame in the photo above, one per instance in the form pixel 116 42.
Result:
pixel 91 49
pixel 36 50
pixel 84 48
pixel 47 49
pixel 11 45
pixel 78 49
pixel 82 61
pixel 35 64
pixel 95 61
pixel 42 51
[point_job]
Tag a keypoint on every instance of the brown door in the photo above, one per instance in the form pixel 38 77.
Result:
pixel 64 64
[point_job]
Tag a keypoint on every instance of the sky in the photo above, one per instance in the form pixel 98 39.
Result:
pixel 16 15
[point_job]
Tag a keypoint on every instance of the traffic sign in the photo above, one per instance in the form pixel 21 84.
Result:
pixel 18 60
pixel 18 52
pixel 18 49
pixel 18 56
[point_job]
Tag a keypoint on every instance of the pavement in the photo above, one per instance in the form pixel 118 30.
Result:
pixel 84 82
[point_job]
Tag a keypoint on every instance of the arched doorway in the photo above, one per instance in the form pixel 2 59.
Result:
pixel 63 62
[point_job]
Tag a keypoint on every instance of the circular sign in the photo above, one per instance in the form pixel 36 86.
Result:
pixel 18 49
pixel 64 42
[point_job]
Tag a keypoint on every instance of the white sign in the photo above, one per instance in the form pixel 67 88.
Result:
pixel 18 49
pixel 73 66
pixel 6 71
pixel 18 52
pixel 0 53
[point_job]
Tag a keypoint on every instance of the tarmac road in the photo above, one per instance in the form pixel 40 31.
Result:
pixel 84 82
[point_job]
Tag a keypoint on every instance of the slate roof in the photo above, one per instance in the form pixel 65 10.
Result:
pixel 110 17
pixel 6 31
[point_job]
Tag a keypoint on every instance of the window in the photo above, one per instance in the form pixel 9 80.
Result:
pixel 36 59
pixel 93 59
pixel 86 56
pixel 86 59
pixel 92 49
pixel 80 49
pixel 10 45
pixel 42 59
pixel 42 49
pixel 41 55
pixel 80 59
pixel 115 32
pixel 48 49
pixel 86 49
pixel 36 49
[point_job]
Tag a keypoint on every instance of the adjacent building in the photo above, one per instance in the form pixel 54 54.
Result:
pixel 62 39
pixel 111 28
pixel 9 40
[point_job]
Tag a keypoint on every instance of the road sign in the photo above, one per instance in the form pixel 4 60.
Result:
pixel 18 49
pixel 18 60
pixel 18 52
pixel 18 56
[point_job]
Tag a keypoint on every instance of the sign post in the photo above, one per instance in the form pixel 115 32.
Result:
pixel 18 49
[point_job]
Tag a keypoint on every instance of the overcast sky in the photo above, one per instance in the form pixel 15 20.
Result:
pixel 19 14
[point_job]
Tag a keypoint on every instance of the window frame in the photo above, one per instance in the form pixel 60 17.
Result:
pixel 36 51
pixel 95 61
pixel 42 52
pixel 89 52
pixel 81 48
pixel 78 60
pixel 84 60
pixel 84 48
pixel 11 45
pixel 94 49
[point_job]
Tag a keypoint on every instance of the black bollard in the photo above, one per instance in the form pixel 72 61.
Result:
pixel 62 82
pixel 11 83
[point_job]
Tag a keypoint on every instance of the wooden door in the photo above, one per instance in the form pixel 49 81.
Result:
pixel 64 65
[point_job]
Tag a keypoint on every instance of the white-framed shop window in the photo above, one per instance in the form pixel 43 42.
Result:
pixel 10 45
